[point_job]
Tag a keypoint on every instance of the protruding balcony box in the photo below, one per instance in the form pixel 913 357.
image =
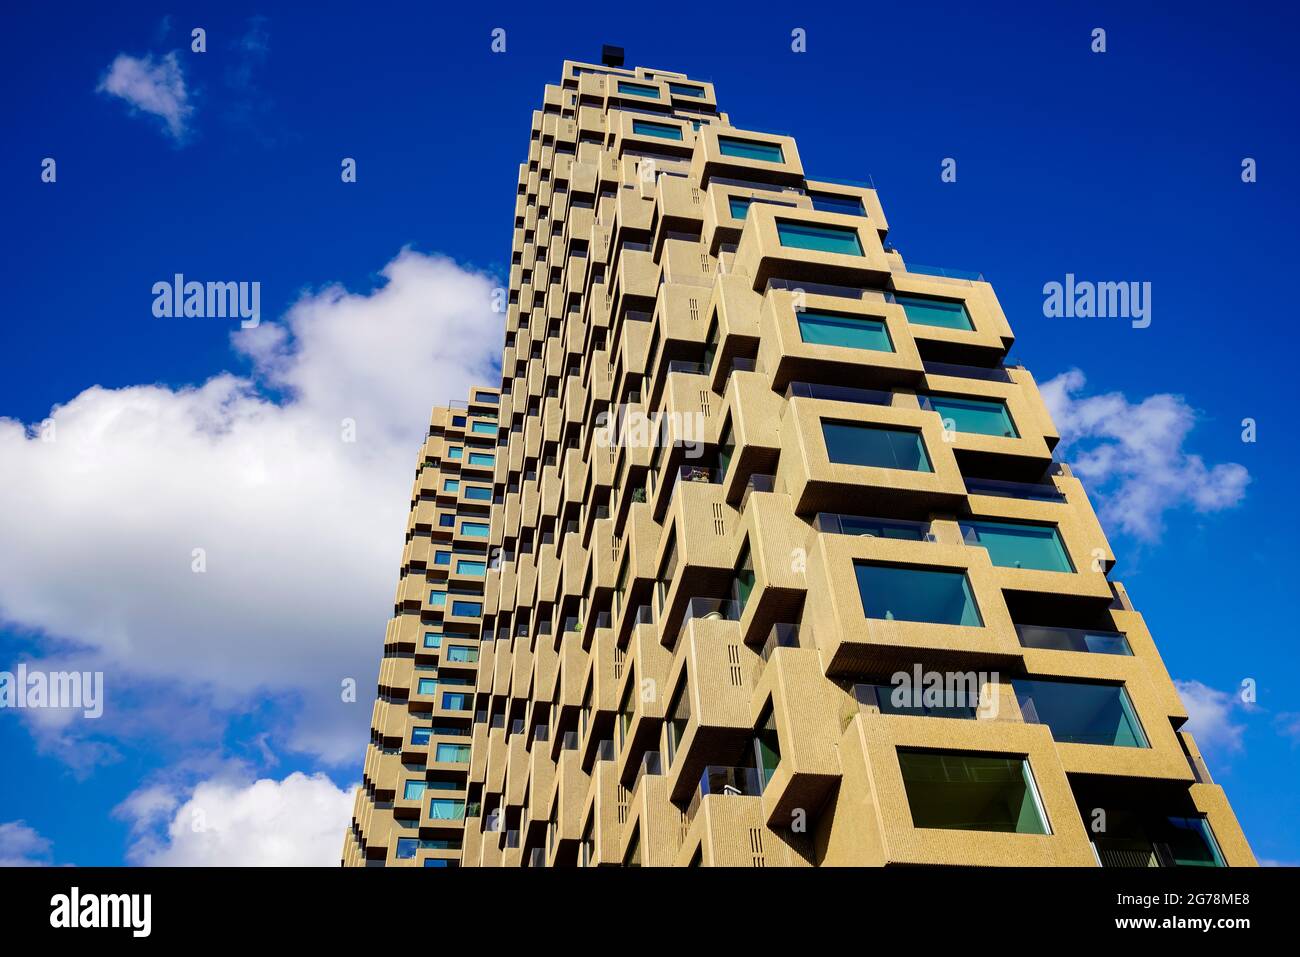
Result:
pixel 749 432
pixel 805 708
pixel 601 810
pixel 684 262
pixel 866 195
pixel 705 556
pixel 720 675
pixel 735 307
pixel 982 338
pixel 858 260
pixel 874 822
pixel 789 352
pixel 541 781
pixel 517 765
pixel 726 827
pixel 769 159
pixel 631 93
pixel 521 670
pixel 1024 450
pixel 721 226
pixel 487 654
pixel 603 700
pixel 639 132
pixel 682 93
pixel 546 668
pixel 775 538
pixel 571 785
pixel 395 673
pixel 652 819
pixel 816 484
pixel 1084 550
pixel 853 644
pixel 644 686
pixel 679 208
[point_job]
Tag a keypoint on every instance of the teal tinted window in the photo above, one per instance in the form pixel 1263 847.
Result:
pixel 451 485
pixel 1014 545
pixel 475 529
pixel 437 598
pixel 832 203
pixel 462 653
pixel 455 452
pixel 481 458
pixel 1191 843
pixel 971 792
pixel 452 753
pixel 446 809
pixel 851 332
pixel 749 149
pixel 478 493
pixel 944 313
pixel 928 595
pixel 981 416
pixel 427 686
pixel 483 428
pixel 848 443
pixel 432 639
pixel 638 89
pixel 739 206
pixel 1081 712
pixel 822 239
pixel 469 608
pixel 442 558
pixel 455 701
pixel 466 567
pixel 681 89
pixel 488 397
pixel 414 790
pixel 665 131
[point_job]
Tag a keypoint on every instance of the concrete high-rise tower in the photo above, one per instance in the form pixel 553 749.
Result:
pixel 760 555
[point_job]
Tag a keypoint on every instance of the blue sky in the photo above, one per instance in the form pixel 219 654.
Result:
pixel 1118 166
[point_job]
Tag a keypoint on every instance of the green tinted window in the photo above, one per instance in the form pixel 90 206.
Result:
pixel 935 596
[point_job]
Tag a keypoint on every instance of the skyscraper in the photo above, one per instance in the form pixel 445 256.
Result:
pixel 781 568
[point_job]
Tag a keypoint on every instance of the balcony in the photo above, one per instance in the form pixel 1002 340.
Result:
pixel 726 781
pixel 833 523
pixel 1073 639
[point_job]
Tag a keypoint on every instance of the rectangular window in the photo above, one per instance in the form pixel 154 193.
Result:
pixel 406 847
pixel 664 131
pixel 437 599
pixel 1016 545
pixel 488 397
pixel 482 458
pixel 432 639
pixel 767 748
pixel 483 427
pixel 944 313
pixel 421 735
pixel 462 653
pixel 1081 712
pixel 447 809
pixel 750 149
pixel 679 715
pixel 477 493
pixel 458 421
pixel 452 753
pixel 971 792
pixel 455 452
pixel 850 332
pixel 467 567
pixel 638 89
pixel 442 558
pixel 447 520
pixel 469 609
pixel 834 203
pixel 849 443
pixel 681 89
pixel 739 206
pixel 455 701
pixel 928 595
pixel 451 485
pixel 980 416
pixel 414 790
pixel 427 686
pixel 842 240
pixel 475 529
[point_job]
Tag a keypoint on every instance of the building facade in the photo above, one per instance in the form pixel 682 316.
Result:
pixel 781 568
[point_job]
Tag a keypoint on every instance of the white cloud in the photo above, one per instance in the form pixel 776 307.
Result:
pixel 1132 454
pixel 1211 717
pixel 151 86
pixel 296 822
pixel 21 846
pixel 302 530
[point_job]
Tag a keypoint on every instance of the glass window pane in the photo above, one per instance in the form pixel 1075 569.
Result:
pixel 852 332
pixel 452 753
pixel 819 238
pixel 465 567
pixel 833 203
pixel 1014 545
pixel 638 89
pixel 945 313
pixel 749 149
pixel 681 89
pixel 414 790
pixel 477 493
pixel 475 529
pixel 664 131
pixel 917 594
pixel 971 792
pixel 983 417
pixel 849 443
pixel 1081 712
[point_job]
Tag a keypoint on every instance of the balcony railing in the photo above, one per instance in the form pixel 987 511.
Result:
pixel 782 635
pixel 1073 639
pixel 838 524
pixel 995 374
pixel 1028 491
pixel 838 393
pixel 710 609
pixel 730 781
pixel 941 272
pixel 650 764
pixel 757 483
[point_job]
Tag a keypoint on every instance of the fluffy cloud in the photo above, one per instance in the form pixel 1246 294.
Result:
pixel 21 846
pixel 1211 717
pixel 296 822
pixel 1133 454
pixel 301 529
pixel 156 87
